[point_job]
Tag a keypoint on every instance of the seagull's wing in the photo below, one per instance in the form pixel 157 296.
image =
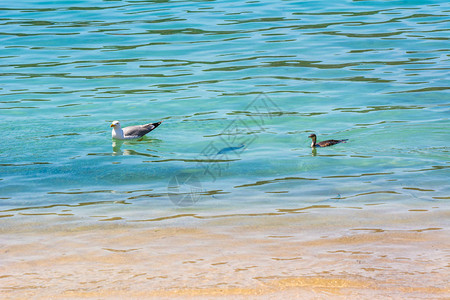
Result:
pixel 132 132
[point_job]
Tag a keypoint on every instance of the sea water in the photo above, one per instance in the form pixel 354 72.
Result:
pixel 239 87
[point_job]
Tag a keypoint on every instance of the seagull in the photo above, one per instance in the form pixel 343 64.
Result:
pixel 131 132
pixel 324 143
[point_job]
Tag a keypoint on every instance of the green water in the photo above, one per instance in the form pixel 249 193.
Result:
pixel 221 74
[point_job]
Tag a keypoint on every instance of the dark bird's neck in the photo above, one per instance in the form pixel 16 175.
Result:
pixel 313 144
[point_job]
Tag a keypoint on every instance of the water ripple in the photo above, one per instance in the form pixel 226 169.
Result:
pixel 373 72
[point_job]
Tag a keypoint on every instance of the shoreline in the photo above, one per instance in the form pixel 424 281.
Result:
pixel 319 253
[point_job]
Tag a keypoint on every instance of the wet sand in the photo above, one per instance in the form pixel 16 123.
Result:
pixel 313 253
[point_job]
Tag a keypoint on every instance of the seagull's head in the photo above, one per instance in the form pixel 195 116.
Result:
pixel 115 124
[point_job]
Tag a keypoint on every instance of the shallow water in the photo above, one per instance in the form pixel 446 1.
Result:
pixel 239 87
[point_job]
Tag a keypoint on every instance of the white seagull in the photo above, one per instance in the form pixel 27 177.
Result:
pixel 131 132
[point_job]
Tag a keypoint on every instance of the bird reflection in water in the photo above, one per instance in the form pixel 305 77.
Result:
pixel 117 144
pixel 116 147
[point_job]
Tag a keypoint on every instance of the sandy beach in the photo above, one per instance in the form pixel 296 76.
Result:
pixel 308 253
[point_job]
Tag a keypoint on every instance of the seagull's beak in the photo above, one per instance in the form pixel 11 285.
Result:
pixel 112 125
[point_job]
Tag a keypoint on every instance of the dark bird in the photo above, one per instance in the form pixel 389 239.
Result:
pixel 324 143
pixel 131 132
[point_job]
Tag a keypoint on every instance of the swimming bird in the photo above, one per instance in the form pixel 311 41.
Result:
pixel 324 143
pixel 131 132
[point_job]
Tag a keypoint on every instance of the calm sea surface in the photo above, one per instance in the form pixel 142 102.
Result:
pixel 239 86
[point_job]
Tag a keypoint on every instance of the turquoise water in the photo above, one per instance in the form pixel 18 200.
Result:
pixel 239 86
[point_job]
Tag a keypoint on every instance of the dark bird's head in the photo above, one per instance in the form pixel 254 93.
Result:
pixel 312 136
